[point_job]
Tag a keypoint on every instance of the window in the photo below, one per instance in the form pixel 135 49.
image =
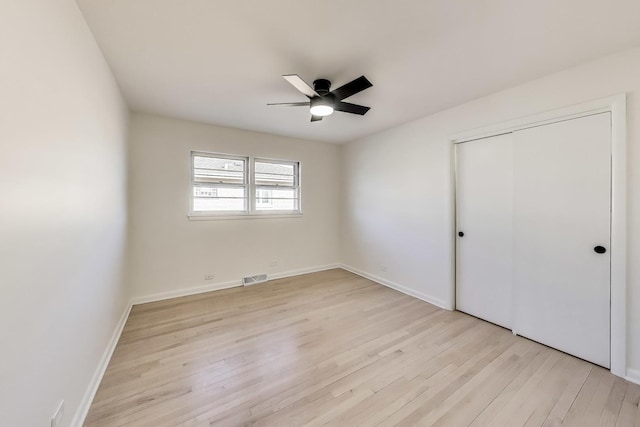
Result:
pixel 276 186
pixel 221 185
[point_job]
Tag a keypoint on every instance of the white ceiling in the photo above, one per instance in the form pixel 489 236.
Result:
pixel 221 61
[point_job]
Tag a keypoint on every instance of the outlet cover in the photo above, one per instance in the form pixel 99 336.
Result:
pixel 57 416
pixel 209 276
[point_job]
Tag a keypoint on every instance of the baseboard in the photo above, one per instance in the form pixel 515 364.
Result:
pixel 300 271
pixel 224 285
pixel 160 296
pixel 400 288
pixel 633 375
pixel 87 399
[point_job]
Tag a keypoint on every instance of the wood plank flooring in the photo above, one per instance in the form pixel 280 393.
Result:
pixel 332 348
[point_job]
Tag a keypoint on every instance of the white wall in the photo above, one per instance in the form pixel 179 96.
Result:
pixel 62 209
pixel 170 253
pixel 63 202
pixel 397 206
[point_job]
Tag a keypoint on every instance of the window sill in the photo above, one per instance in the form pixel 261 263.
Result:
pixel 244 216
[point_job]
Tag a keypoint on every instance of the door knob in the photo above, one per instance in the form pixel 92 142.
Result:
pixel 460 233
pixel 600 249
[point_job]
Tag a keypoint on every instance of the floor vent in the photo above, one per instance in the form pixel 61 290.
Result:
pixel 254 280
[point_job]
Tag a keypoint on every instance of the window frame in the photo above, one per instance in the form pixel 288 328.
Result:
pixel 193 184
pixel 254 187
pixel 249 186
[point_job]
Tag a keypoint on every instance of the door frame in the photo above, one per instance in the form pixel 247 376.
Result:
pixel 617 106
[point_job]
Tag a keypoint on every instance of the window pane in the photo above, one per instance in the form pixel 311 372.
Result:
pixel 282 174
pixel 218 204
pixel 263 199
pixel 211 198
pixel 200 190
pixel 280 205
pixel 218 170
pixel 276 200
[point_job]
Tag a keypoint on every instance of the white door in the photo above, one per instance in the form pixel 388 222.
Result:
pixel 561 213
pixel 484 201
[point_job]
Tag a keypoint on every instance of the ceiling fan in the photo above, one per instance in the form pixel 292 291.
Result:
pixel 322 101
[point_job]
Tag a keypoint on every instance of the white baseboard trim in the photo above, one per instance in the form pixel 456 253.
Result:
pixel 300 271
pixel 224 285
pixel 160 296
pixel 87 399
pixel 633 375
pixel 400 288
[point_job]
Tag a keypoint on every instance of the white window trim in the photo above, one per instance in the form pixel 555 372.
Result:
pixel 250 212
pixel 192 184
pixel 254 187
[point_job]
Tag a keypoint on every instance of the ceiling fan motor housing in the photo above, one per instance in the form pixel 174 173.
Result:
pixel 322 86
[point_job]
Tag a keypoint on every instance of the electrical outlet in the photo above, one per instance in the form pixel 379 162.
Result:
pixel 209 276
pixel 273 263
pixel 57 416
pixel 383 268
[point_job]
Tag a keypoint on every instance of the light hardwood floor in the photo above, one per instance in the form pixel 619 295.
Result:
pixel 333 348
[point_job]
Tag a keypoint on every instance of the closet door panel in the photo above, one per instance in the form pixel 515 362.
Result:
pixel 561 212
pixel 484 190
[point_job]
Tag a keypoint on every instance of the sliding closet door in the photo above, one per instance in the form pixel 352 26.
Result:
pixel 561 230
pixel 484 190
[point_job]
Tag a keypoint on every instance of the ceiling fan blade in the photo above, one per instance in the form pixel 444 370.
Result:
pixel 351 108
pixel 351 88
pixel 316 118
pixel 290 104
pixel 300 84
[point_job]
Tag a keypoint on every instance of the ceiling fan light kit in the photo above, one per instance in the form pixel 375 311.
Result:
pixel 322 101
pixel 321 107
